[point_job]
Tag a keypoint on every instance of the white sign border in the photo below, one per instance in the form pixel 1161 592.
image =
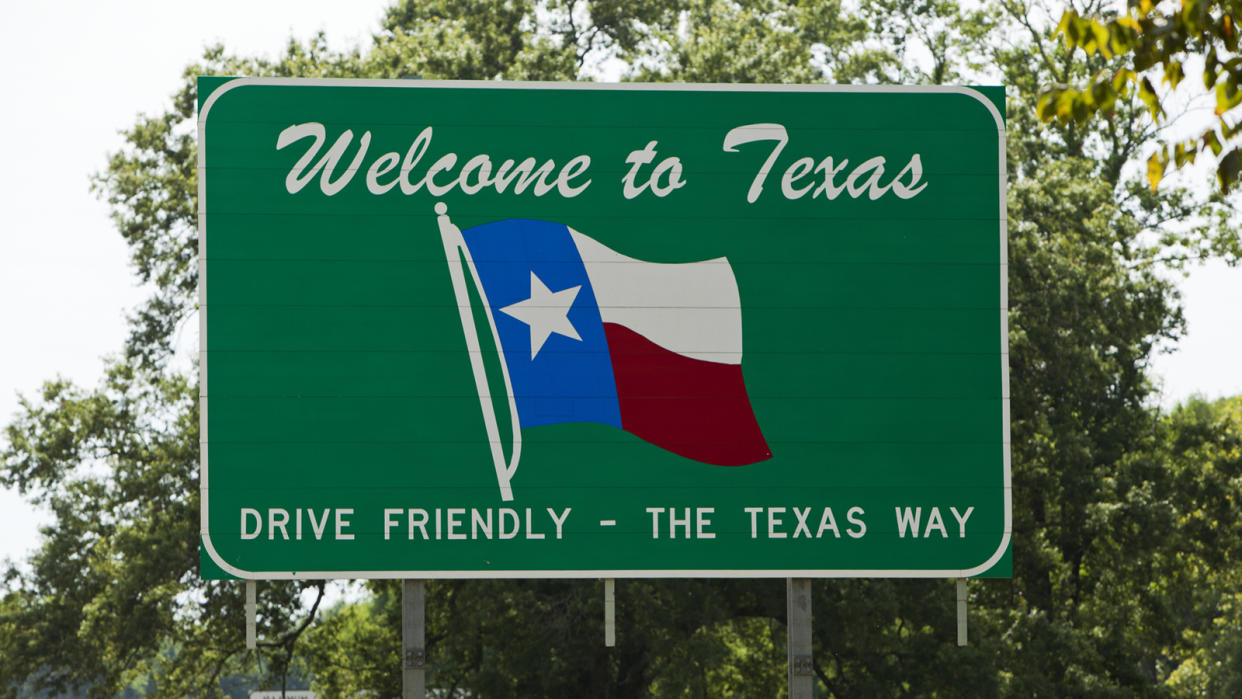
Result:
pixel 546 574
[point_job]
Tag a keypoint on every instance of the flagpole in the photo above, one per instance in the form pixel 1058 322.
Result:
pixel 455 250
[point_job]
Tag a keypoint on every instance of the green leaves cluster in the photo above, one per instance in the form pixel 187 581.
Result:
pixel 1158 39
pixel 1126 522
pixel 110 465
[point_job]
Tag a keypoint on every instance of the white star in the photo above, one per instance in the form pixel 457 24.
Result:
pixel 546 312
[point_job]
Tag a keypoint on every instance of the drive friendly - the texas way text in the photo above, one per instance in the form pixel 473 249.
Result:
pixel 503 523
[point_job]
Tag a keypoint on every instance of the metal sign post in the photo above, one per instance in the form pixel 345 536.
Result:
pixel 961 611
pixel 252 637
pixel 798 623
pixel 610 612
pixel 413 640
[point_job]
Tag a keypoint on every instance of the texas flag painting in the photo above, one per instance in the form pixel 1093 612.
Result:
pixel 587 334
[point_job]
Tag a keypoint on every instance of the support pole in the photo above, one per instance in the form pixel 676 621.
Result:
pixel 413 640
pixel 798 616
pixel 961 611
pixel 610 612
pixel 252 636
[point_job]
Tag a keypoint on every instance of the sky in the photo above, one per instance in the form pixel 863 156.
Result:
pixel 76 73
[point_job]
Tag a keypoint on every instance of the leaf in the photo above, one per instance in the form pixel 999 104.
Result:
pixel 1193 12
pixel 1102 39
pixel 1057 102
pixel 1122 36
pixel 1103 95
pixel 1147 92
pixel 1228 96
pixel 1079 109
pixel 1228 131
pixel 1155 169
pixel 1227 171
pixel 1229 32
pixel 1211 141
pixel 1122 77
pixel 1184 153
pixel 1173 73
pixel 1067 27
pixel 1046 105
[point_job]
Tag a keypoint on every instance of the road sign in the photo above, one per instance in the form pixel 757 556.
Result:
pixel 466 330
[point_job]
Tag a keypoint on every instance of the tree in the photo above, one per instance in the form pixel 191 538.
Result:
pixel 1159 40
pixel 1204 446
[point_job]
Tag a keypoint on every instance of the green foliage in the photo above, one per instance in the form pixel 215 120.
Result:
pixel 1126 522
pixel 356 647
pixel 545 639
pixel 721 41
pixel 1158 39
pixel 1082 325
pixel 117 577
pixel 106 463
pixel 957 42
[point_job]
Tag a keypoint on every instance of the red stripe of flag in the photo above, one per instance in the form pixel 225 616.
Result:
pixel 691 407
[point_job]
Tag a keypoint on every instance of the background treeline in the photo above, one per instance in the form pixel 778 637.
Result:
pixel 1128 519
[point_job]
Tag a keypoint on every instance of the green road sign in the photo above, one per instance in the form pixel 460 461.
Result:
pixel 462 330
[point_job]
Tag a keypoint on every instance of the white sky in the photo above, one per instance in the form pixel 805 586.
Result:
pixel 75 73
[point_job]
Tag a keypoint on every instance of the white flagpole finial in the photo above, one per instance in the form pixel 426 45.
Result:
pixel 446 226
